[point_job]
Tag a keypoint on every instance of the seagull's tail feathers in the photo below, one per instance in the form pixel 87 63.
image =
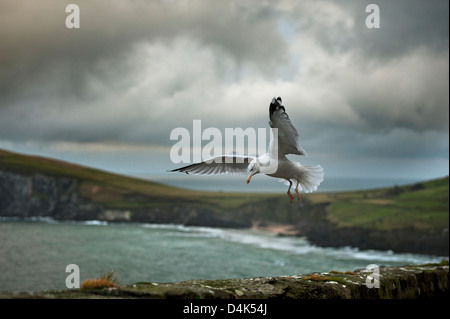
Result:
pixel 311 178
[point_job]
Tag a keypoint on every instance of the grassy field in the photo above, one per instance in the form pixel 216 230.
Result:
pixel 424 205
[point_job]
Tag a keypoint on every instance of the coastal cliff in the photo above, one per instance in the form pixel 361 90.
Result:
pixel 320 229
pixel 61 198
pixel 412 218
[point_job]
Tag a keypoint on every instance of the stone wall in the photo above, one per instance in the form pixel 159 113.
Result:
pixel 406 282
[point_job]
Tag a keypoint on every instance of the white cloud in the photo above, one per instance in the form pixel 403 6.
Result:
pixel 133 73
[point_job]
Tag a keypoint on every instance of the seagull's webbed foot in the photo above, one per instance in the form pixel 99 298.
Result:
pixel 289 192
pixel 296 191
pixel 290 196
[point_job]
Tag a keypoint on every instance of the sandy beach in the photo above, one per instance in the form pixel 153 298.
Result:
pixel 278 229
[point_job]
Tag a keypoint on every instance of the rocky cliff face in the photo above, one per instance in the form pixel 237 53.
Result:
pixel 37 195
pixel 59 197
pixel 319 230
pixel 428 241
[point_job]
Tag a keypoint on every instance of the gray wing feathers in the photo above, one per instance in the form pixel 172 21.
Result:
pixel 287 133
pixel 219 165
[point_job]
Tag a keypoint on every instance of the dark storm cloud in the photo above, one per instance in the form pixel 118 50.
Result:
pixel 340 26
pixel 406 26
pixel 410 93
pixel 56 83
pixel 394 76
pixel 137 69
pixel 35 40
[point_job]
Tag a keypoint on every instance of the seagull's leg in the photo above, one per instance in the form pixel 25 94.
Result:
pixel 289 192
pixel 296 191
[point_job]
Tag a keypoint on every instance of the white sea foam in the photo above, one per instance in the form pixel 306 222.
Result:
pixel 94 222
pixel 262 240
pixel 178 227
pixel 292 245
pixel 167 252
pixel 51 220
pixel 42 219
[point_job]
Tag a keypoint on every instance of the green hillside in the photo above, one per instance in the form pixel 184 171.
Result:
pixel 421 206
pixel 118 191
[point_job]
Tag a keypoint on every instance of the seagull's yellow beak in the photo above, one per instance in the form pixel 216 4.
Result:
pixel 249 178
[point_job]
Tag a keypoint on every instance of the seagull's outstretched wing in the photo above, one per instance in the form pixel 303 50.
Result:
pixel 287 134
pixel 233 164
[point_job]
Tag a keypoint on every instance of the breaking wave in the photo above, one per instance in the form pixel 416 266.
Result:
pixel 290 245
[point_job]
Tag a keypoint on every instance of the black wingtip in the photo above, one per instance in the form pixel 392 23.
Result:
pixel 275 104
pixel 176 170
pixel 182 169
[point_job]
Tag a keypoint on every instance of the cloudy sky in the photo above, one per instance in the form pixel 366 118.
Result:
pixel 366 102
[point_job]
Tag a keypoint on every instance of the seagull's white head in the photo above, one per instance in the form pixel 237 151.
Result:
pixel 253 169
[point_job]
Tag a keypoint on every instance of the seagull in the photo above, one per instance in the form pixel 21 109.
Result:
pixel 274 163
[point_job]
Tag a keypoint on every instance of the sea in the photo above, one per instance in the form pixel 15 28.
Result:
pixel 35 253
